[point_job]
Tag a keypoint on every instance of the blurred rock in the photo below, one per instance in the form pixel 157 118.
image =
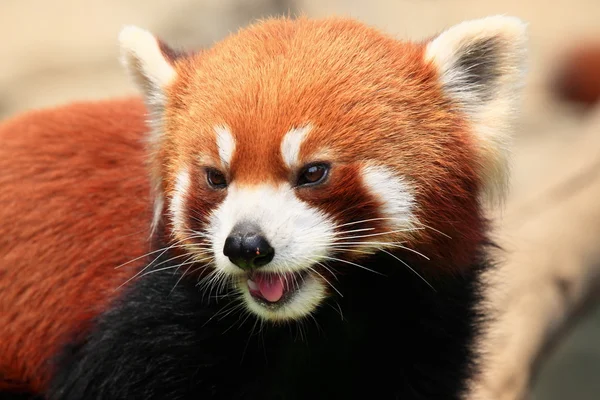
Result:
pixel 577 77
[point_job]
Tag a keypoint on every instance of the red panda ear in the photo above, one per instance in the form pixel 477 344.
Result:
pixel 149 62
pixel 481 65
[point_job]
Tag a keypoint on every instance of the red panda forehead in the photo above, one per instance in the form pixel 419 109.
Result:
pixel 355 87
pixel 294 69
pixel 365 95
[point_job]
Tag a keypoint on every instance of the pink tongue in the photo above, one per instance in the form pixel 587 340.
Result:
pixel 270 288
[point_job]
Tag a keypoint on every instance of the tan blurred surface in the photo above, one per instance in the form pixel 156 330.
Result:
pixel 62 50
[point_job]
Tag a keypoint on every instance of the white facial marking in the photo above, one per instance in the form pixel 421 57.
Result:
pixel 152 73
pixel 300 234
pixel 177 206
pixel 225 144
pixel 290 145
pixel 159 202
pixel 394 193
pixel 143 57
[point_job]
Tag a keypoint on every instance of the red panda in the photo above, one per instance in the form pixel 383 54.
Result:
pixel 318 192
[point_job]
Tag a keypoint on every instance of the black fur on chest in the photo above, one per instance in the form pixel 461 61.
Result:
pixel 390 336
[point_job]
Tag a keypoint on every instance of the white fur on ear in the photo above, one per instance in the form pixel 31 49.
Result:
pixel 146 62
pixel 481 65
pixel 152 72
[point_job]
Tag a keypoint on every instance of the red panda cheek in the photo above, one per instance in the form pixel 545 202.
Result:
pixel 454 222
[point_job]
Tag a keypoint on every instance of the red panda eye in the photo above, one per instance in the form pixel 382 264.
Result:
pixel 216 179
pixel 313 174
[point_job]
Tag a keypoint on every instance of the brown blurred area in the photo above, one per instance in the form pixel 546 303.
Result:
pixel 56 51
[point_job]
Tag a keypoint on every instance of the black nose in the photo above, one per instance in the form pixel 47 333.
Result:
pixel 247 248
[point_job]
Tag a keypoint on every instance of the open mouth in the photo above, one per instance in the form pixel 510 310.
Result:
pixel 273 289
pixel 280 297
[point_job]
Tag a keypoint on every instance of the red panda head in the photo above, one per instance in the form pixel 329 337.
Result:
pixel 295 149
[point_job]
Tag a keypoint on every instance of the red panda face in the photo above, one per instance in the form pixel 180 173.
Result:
pixel 292 151
pixel 279 227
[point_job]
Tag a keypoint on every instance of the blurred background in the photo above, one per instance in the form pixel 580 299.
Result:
pixel 56 51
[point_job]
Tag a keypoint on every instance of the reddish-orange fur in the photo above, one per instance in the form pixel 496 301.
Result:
pixel 75 196
pixel 433 145
pixel 74 204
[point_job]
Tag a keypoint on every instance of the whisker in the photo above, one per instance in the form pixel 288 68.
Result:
pixel 338 309
pixel 373 219
pixel 316 322
pixel 386 244
pixel 226 280
pixel 409 267
pixel 164 251
pixel 188 269
pixel 174 258
pixel 167 268
pixel 146 255
pixel 300 331
pixel 433 229
pixel 349 249
pixel 234 305
pixel 378 234
pixel 198 234
pixel 352 231
pixel 147 266
pixel 328 269
pixel 248 314
pixel 217 277
pixel 202 283
pixel 329 283
pixel 201 266
pixel 248 341
pixel 355 264
pixel 394 219
pixel 180 278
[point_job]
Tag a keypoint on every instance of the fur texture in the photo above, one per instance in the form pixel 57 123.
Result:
pixel 390 337
pixel 356 87
pixel 386 117
pixel 482 65
pixel 408 131
pixel 74 205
